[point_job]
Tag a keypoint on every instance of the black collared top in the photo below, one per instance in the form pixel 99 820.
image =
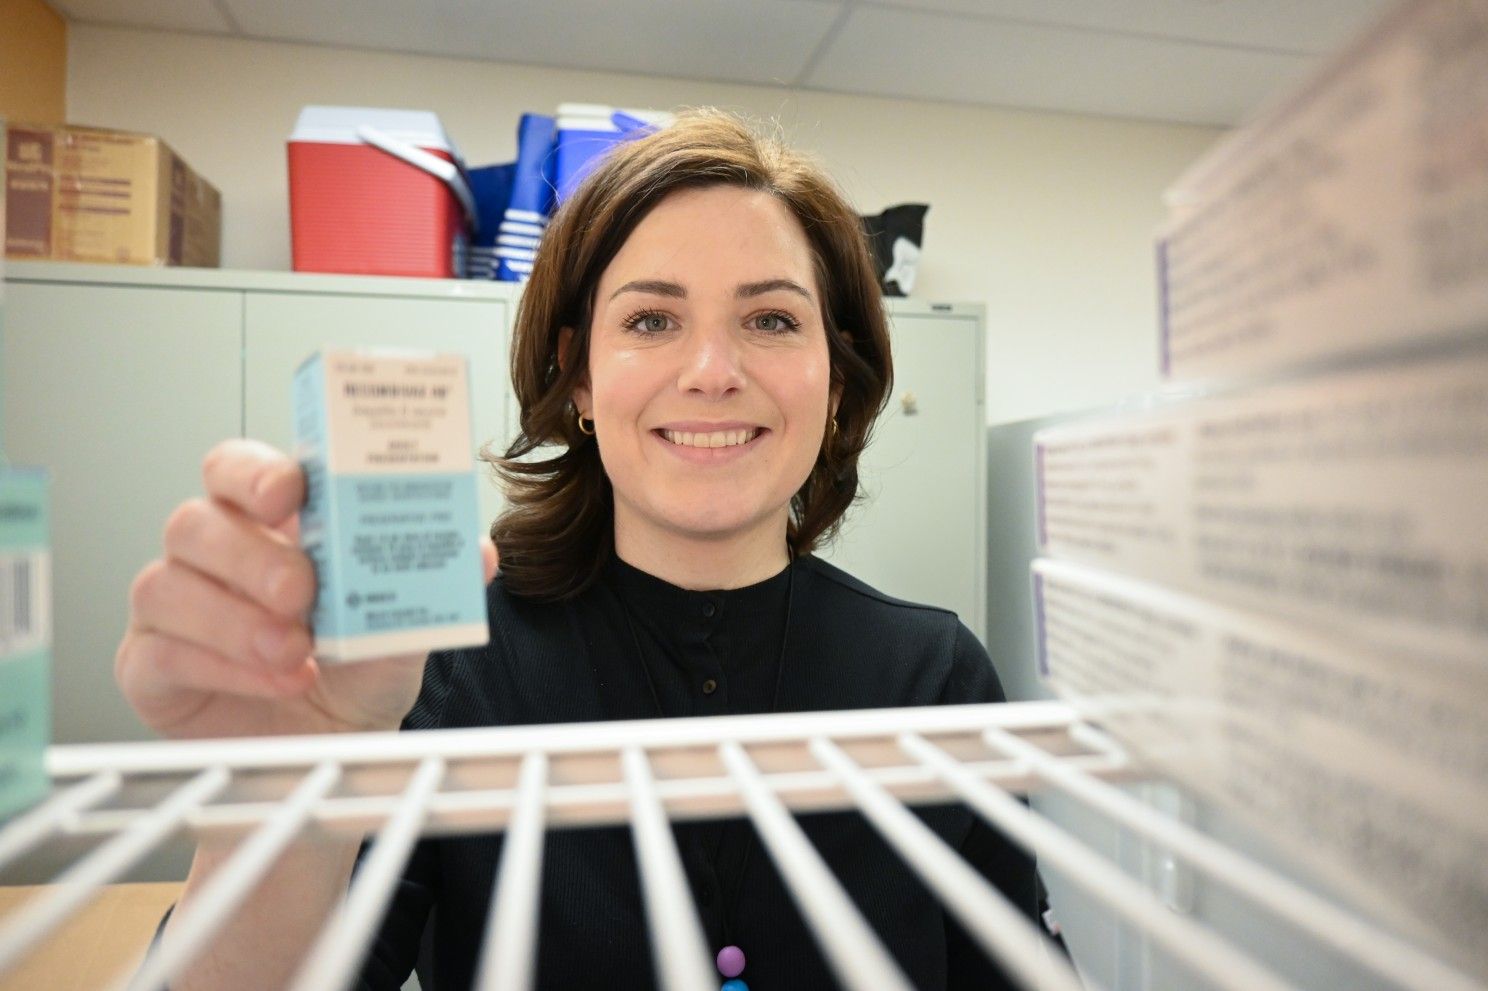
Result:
pixel 847 646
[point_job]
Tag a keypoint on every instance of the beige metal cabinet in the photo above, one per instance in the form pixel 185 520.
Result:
pixel 920 533
pixel 119 379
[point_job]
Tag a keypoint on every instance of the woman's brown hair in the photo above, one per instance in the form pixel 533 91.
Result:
pixel 557 531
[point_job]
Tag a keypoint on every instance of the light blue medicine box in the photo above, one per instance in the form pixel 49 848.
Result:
pixel 390 520
pixel 25 637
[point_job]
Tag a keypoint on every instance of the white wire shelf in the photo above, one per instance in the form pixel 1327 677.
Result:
pixel 127 799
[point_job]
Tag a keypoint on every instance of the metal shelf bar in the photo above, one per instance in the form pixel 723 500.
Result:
pixel 1197 948
pixel 678 948
pixel 26 832
pixel 337 954
pixel 193 925
pixel 509 957
pixel 856 956
pixel 1004 933
pixel 489 809
pixel 82 881
pixel 556 740
pixel 1373 948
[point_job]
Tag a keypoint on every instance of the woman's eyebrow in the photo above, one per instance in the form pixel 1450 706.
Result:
pixel 655 287
pixel 748 289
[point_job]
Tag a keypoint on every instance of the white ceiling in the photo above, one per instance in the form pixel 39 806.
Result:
pixel 1188 61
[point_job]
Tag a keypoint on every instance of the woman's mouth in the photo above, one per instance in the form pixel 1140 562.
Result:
pixel 712 438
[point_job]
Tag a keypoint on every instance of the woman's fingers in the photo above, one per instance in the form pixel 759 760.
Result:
pixel 222 543
pixel 260 481
pixel 173 599
pixel 168 680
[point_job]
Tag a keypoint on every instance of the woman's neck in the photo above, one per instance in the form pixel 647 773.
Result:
pixel 732 560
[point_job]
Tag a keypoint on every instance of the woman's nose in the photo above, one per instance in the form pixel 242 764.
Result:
pixel 712 364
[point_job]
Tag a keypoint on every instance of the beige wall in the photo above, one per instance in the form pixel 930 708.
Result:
pixel 33 62
pixel 1045 218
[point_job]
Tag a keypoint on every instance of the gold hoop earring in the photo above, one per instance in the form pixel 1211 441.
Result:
pixel 580 417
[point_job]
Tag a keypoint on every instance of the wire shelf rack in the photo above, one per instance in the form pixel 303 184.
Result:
pixel 128 799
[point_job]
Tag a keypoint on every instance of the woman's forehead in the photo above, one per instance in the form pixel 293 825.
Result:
pixel 718 238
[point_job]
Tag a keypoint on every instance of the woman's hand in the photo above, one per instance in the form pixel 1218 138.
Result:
pixel 218 643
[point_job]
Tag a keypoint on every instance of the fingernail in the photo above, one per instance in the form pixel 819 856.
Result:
pixel 270 643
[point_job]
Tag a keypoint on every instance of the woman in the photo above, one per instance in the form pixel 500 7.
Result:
pixel 703 341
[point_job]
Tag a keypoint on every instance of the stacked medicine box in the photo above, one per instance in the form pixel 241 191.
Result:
pixel 25 623
pixel 1272 582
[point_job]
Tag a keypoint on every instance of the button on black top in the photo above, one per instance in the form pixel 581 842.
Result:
pixel 708 653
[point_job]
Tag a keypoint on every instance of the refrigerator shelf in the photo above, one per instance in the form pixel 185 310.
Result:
pixel 127 799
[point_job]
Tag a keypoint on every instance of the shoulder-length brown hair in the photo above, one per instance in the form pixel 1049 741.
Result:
pixel 557 531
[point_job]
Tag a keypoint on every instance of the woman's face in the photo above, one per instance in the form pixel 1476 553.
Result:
pixel 709 382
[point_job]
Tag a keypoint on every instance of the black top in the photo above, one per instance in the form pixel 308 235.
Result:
pixel 847 647
pixel 704 653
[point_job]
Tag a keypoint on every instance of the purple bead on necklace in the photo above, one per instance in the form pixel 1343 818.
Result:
pixel 730 962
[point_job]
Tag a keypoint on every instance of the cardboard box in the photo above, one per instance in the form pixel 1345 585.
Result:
pixel 1361 764
pixel 88 194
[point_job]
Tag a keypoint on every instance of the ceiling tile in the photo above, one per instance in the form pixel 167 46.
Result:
pixel 762 41
pixel 198 16
pixel 1303 26
pixel 891 52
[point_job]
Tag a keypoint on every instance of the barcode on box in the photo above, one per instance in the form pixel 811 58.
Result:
pixel 25 621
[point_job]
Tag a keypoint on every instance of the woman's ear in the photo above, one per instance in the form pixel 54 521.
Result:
pixel 580 398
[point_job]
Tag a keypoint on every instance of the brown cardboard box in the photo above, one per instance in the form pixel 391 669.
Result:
pixel 88 194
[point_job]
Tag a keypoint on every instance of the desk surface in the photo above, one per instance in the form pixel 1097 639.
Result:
pixel 110 933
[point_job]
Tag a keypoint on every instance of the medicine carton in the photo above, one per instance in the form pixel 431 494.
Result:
pixel 1367 767
pixel 390 518
pixel 25 637
pixel 1354 499
pixel 1352 217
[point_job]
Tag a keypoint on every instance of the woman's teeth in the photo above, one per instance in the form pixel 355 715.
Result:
pixel 720 438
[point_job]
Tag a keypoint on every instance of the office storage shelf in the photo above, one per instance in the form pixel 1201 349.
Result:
pixel 125 800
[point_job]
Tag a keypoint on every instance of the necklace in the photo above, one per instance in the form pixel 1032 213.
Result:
pixel 730 959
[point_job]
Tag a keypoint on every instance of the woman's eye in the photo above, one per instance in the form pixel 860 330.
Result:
pixel 774 323
pixel 649 323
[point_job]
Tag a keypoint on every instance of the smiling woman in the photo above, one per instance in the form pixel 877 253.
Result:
pixel 700 355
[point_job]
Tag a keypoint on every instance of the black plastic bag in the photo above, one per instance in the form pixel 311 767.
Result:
pixel 894 237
